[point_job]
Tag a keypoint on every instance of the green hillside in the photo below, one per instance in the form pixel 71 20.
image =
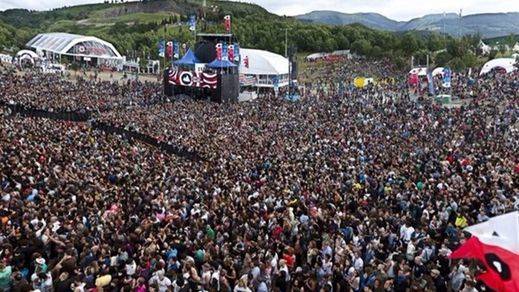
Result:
pixel 508 40
pixel 136 28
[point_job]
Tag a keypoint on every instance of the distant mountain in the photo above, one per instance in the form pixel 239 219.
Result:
pixel 372 20
pixel 488 24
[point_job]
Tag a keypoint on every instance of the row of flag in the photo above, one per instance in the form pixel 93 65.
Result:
pixel 170 49
pixel 226 23
pixel 230 53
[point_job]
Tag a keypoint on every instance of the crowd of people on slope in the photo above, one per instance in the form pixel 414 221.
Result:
pixel 52 92
pixel 367 191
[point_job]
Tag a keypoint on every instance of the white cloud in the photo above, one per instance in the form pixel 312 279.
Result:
pixel 396 9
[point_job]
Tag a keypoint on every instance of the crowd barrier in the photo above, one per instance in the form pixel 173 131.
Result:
pixel 168 148
pixel 75 116
pixel 84 116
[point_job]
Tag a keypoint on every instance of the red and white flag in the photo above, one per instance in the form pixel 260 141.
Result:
pixel 246 62
pixel 169 49
pixel 219 51
pixel 230 53
pixel 227 23
pixel 495 244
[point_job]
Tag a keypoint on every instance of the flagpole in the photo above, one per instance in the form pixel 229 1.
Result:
pixel 286 42
pixel 165 43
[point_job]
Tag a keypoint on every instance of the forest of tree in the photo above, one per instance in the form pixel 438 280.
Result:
pixel 254 28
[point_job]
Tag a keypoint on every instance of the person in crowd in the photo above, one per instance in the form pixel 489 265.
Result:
pixel 360 190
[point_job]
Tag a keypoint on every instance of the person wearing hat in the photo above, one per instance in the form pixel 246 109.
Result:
pixel 40 265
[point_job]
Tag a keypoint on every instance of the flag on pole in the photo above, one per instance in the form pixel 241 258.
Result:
pixel 246 61
pixel 231 53
pixel 227 23
pixel 161 46
pixel 176 50
pixel 225 55
pixel 495 244
pixel 192 23
pixel 219 51
pixel 447 74
pixel 237 53
pixel 169 49
pixel 430 82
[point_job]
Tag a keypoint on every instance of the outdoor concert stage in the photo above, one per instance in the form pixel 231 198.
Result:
pixel 208 71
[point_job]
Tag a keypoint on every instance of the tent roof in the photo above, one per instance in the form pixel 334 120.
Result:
pixel 27 52
pixel 263 63
pixel 61 43
pixel 315 56
pixel 437 71
pixel 502 231
pixel 220 64
pixel 420 71
pixel 188 59
pixel 505 63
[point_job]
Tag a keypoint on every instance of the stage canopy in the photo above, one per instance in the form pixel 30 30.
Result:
pixel 189 59
pixel 504 63
pixel 73 45
pixel 220 64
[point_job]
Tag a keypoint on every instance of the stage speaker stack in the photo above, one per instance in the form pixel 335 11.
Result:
pixel 168 88
pixel 228 88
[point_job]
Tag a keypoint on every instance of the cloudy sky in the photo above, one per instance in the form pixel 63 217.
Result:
pixel 396 9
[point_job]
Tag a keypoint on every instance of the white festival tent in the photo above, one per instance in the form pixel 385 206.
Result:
pixel 315 56
pixel 504 63
pixel 502 231
pixel 88 48
pixel 264 66
pixel 24 56
pixel 420 71
pixel 29 53
pixel 485 49
pixel 5 58
pixel 437 71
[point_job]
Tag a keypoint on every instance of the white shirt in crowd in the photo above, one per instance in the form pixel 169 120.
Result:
pixel 163 283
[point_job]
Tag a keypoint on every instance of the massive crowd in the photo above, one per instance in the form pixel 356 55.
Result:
pixel 364 191
pixel 54 93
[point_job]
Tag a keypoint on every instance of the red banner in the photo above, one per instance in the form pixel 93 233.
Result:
pixel 227 23
pixel 230 53
pixel 218 51
pixel 169 49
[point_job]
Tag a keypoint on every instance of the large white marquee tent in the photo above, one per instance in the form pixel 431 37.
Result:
pixel 86 48
pixel 264 66
pixel 504 63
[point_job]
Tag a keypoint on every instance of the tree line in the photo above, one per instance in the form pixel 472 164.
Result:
pixel 254 28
